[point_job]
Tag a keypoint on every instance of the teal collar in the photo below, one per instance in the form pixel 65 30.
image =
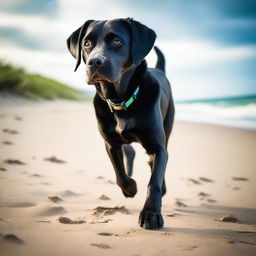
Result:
pixel 125 104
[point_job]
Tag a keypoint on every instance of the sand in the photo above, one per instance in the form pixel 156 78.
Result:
pixel 58 194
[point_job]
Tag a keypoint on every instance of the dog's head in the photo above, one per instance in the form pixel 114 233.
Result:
pixel 110 48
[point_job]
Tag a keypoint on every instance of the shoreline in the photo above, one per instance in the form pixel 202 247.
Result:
pixel 225 123
pixel 12 101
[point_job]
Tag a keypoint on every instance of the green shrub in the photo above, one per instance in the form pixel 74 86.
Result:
pixel 17 81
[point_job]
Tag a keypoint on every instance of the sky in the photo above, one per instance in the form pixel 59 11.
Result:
pixel 210 46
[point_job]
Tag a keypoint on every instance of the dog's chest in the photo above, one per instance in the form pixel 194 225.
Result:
pixel 124 125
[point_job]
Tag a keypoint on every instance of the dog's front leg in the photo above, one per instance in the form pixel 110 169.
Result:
pixel 150 216
pixel 127 184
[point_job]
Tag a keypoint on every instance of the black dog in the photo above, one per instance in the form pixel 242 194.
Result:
pixel 133 103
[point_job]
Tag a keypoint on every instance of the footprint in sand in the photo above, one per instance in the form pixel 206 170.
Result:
pixel 178 203
pixel 100 178
pixel 6 142
pixel 209 200
pixel 194 181
pixel 55 199
pixel 167 234
pixel 13 239
pixel 14 161
pixel 66 220
pixel 106 234
pixel 189 248
pixel 240 178
pixel 18 118
pixel 35 175
pixel 104 211
pixel 102 246
pixel 172 214
pixel 104 197
pixel 10 131
pixel 231 241
pixel 205 179
pixel 100 221
pixel 105 180
pixel 4 220
pixel 229 218
pixel 205 196
pixel 54 159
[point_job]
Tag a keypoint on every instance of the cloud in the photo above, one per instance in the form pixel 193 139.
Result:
pixel 202 40
pixel 195 54
pixel 200 69
pixel 47 8
pixel 227 31
pixel 173 20
pixel 225 22
pixel 17 36
pixel 219 80
pixel 234 8
pixel 39 32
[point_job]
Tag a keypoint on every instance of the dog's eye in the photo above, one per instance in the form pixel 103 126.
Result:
pixel 117 42
pixel 87 43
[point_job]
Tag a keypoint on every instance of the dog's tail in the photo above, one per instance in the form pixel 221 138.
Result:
pixel 160 64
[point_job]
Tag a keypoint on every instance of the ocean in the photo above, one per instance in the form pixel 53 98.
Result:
pixel 237 112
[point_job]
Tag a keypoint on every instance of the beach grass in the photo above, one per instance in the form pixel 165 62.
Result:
pixel 17 81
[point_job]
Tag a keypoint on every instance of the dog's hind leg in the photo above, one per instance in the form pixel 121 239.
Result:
pixel 129 154
pixel 127 184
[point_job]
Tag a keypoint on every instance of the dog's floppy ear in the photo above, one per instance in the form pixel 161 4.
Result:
pixel 143 39
pixel 74 42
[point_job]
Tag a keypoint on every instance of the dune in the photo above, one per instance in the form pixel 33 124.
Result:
pixel 61 205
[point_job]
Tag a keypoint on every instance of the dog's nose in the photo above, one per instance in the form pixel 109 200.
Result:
pixel 96 61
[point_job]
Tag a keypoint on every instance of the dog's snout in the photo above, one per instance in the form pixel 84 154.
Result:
pixel 96 61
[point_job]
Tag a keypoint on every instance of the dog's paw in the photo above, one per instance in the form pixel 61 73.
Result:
pixel 151 220
pixel 130 189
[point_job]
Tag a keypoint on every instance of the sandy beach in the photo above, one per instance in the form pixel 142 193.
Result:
pixel 58 194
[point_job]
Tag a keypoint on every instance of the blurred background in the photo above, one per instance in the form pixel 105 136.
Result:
pixel 210 48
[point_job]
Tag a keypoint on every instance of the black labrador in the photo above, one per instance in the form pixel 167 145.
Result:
pixel 133 103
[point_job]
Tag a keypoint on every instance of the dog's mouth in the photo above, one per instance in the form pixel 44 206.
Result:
pixel 104 85
pixel 97 78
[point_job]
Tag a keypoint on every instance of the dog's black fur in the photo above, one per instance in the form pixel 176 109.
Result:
pixel 114 52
